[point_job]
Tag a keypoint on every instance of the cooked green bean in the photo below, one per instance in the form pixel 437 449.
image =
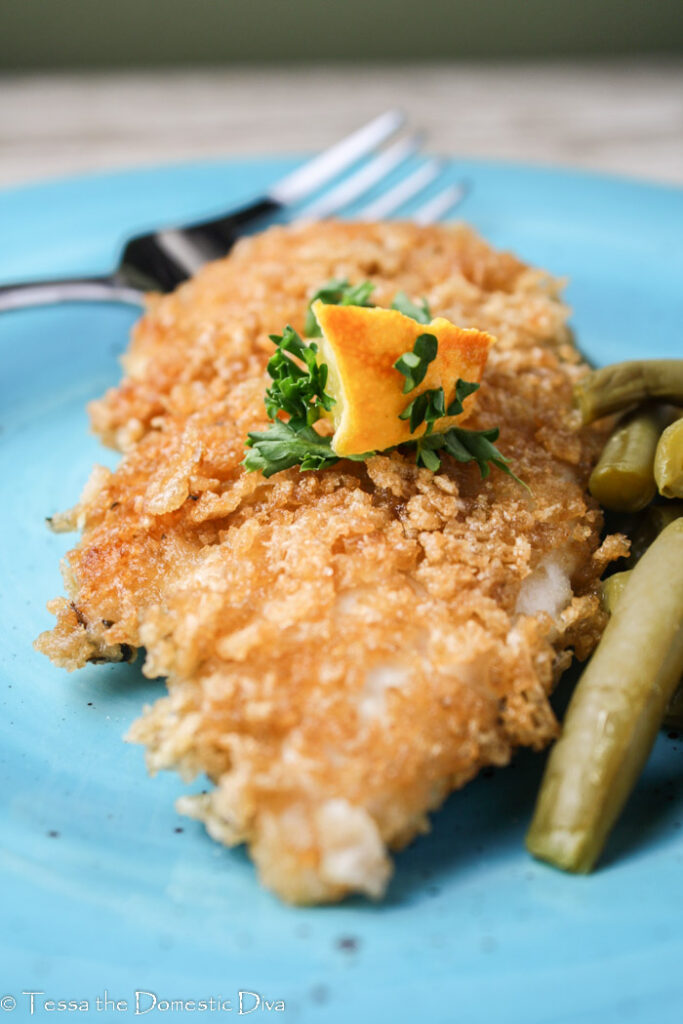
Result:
pixel 612 589
pixel 622 385
pixel 624 478
pixel 615 712
pixel 669 461
pixel 656 519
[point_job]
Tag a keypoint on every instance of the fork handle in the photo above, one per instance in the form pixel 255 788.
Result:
pixel 70 289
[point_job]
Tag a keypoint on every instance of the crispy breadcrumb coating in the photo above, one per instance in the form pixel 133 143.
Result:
pixel 345 647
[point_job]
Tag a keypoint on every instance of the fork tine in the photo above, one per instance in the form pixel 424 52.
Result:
pixel 363 180
pixel 307 179
pixel 406 189
pixel 436 208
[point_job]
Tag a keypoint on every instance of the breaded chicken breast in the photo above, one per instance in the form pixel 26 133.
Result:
pixel 343 647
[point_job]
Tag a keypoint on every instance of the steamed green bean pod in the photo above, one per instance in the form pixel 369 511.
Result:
pixel 668 463
pixel 624 478
pixel 615 712
pixel 617 387
pixel 612 589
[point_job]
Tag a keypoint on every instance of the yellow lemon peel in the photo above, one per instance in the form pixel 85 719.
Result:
pixel 360 346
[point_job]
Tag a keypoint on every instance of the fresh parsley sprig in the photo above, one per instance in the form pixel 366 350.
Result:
pixel 405 305
pixel 464 446
pixel 282 446
pixel 463 388
pixel 430 406
pixel 414 365
pixel 477 446
pixel 299 392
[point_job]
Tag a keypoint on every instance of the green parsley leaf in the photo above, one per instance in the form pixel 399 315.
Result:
pixel 282 446
pixel 405 305
pixel 413 365
pixel 358 294
pixel 430 406
pixel 427 408
pixel 466 446
pixel 462 444
pixel 475 446
pixel 426 456
pixel 463 388
pixel 297 391
pixel 337 292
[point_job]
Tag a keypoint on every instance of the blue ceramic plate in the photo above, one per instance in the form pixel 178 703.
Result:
pixel 106 888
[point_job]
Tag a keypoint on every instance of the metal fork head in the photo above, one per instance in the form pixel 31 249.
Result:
pixel 375 178
pixel 160 260
pixel 163 259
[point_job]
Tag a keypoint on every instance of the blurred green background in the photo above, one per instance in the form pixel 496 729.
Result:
pixel 50 34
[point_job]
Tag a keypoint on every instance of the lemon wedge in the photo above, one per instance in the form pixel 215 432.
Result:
pixel 360 346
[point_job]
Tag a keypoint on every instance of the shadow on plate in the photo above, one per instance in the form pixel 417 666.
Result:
pixel 655 810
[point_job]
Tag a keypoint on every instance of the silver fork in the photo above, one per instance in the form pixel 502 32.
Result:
pixel 160 260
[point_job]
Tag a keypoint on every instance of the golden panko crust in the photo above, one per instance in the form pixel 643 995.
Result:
pixel 343 647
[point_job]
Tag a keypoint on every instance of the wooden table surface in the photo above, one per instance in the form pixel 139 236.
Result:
pixel 624 117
